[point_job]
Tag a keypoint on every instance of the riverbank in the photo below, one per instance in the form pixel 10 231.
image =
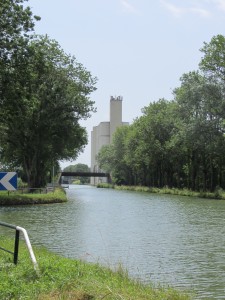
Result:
pixel 18 198
pixel 63 278
pixel 219 194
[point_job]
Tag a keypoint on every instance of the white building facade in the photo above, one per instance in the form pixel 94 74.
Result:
pixel 103 133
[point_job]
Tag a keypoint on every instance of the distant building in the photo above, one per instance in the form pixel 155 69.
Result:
pixel 103 133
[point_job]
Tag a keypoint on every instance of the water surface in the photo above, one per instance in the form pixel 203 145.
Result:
pixel 171 240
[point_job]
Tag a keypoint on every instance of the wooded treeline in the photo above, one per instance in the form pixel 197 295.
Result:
pixel 177 143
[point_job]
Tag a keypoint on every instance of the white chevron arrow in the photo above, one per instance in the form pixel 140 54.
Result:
pixel 5 181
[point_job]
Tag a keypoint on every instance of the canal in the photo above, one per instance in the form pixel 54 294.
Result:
pixel 162 239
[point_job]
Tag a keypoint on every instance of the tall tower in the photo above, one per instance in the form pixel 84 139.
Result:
pixel 103 134
pixel 115 114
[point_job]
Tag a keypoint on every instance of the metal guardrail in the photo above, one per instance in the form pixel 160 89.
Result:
pixel 16 244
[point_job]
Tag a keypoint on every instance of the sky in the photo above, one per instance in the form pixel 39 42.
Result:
pixel 138 49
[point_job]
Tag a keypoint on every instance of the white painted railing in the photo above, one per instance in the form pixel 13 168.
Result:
pixel 16 246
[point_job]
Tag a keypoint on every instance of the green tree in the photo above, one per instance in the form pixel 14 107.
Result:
pixel 121 171
pixel 16 22
pixel 200 102
pixel 213 66
pixel 213 62
pixel 156 128
pixel 44 94
pixel 105 158
pixel 111 158
pixel 136 154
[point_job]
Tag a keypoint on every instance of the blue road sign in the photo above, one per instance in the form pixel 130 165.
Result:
pixel 8 181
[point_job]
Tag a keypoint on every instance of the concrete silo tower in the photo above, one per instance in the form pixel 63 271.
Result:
pixel 115 114
pixel 103 133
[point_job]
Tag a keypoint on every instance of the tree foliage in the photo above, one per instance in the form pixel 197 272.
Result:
pixel 44 93
pixel 213 61
pixel 16 24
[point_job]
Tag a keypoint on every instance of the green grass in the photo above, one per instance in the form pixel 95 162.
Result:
pixel 63 278
pixel 18 198
pixel 218 194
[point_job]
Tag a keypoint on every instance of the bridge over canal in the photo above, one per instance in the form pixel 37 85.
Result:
pixel 83 174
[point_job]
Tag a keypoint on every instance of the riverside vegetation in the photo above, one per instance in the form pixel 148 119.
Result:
pixel 217 194
pixel 19 198
pixel 63 278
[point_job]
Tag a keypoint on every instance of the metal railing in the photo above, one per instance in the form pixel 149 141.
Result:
pixel 26 190
pixel 15 253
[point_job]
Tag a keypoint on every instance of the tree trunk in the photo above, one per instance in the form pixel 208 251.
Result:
pixel 35 171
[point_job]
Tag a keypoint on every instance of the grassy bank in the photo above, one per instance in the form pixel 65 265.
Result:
pixel 218 194
pixel 63 278
pixel 18 198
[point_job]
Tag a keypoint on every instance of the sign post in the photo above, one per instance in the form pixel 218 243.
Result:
pixel 8 181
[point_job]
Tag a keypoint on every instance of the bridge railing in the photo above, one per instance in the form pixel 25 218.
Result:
pixel 85 174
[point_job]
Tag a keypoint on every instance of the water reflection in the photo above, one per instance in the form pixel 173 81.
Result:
pixel 171 240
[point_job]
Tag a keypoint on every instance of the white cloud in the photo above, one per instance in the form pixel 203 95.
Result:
pixel 178 11
pixel 128 7
pixel 220 4
pixel 175 10
pixel 200 11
